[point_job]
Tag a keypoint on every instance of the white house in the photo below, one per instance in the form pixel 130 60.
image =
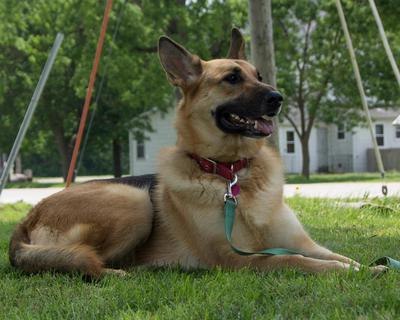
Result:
pixel 332 148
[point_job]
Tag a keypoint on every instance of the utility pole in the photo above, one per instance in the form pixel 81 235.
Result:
pixel 262 46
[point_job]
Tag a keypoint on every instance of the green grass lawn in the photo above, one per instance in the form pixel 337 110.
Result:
pixel 33 184
pixel 363 234
pixel 390 176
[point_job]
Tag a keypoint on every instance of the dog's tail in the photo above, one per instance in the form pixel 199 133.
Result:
pixel 35 258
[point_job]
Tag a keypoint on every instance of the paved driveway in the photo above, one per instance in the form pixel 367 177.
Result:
pixel 314 190
pixel 28 195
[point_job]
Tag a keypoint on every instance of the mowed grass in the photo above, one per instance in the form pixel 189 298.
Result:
pixel 170 293
pixel 390 176
pixel 33 184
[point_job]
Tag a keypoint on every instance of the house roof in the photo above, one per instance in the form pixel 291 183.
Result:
pixel 396 122
pixel 376 114
pixel 381 113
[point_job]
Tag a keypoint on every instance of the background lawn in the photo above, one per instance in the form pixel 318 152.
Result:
pixel 390 176
pixel 33 184
pixel 174 294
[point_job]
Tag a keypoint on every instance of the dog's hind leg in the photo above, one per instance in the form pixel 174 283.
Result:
pixel 128 232
pixel 85 228
pixel 70 258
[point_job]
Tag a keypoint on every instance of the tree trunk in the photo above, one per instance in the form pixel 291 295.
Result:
pixel 117 158
pixel 63 149
pixel 18 164
pixel 305 172
pixel 262 46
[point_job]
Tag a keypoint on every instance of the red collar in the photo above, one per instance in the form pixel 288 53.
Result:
pixel 226 170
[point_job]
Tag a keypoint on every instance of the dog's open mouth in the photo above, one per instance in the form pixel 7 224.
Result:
pixel 262 125
pixel 248 126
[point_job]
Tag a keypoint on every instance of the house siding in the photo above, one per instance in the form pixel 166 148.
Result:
pixel 363 139
pixel 326 150
pixel 340 151
pixel 163 135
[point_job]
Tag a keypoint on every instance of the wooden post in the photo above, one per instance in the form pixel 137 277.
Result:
pixel 262 46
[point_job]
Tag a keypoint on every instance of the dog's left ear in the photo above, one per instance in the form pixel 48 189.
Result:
pixel 181 66
pixel 236 50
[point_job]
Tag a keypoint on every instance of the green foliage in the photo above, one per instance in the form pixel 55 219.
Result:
pixel 314 68
pixel 312 57
pixel 134 80
pixel 316 78
pixel 171 293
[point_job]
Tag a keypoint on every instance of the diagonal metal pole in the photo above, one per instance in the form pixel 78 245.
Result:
pixel 361 90
pixel 389 52
pixel 89 91
pixel 99 90
pixel 30 110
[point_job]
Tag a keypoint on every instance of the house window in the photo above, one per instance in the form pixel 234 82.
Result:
pixel 341 132
pixel 290 142
pixel 140 150
pixel 397 132
pixel 379 134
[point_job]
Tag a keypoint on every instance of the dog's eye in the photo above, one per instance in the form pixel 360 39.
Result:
pixel 259 77
pixel 233 78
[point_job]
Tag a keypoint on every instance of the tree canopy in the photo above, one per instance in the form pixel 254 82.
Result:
pixel 133 78
pixel 313 67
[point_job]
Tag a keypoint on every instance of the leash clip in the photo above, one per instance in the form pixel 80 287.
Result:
pixel 229 194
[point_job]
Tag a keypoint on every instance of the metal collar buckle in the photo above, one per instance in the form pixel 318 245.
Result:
pixel 229 194
pixel 214 165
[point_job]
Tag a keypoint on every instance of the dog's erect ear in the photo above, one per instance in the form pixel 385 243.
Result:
pixel 181 66
pixel 236 50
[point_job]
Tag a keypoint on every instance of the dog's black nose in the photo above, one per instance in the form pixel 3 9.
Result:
pixel 273 101
pixel 273 97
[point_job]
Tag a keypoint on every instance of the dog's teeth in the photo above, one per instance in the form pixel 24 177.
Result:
pixel 255 124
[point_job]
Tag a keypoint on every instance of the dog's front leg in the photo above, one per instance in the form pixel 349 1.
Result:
pixel 325 254
pixel 296 238
pixel 270 263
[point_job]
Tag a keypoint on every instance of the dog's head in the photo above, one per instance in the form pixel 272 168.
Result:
pixel 225 105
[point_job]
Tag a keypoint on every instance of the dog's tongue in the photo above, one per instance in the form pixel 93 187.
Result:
pixel 265 126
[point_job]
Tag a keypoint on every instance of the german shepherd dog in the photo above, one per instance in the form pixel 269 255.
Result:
pixel 176 218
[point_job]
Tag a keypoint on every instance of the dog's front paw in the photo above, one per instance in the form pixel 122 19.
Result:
pixel 116 272
pixel 379 269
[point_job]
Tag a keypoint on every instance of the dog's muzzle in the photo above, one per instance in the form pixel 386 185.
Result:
pixel 249 116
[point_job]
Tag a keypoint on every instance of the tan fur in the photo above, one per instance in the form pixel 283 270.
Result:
pixel 98 226
pixel 83 228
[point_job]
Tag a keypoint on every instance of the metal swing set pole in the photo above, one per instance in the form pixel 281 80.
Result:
pixel 385 42
pixel 30 110
pixel 361 91
pixel 86 105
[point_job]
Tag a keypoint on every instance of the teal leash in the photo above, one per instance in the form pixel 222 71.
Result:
pixel 388 262
pixel 230 211
pixel 230 208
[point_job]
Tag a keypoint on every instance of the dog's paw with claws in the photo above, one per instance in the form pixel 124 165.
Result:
pixel 116 272
pixel 379 269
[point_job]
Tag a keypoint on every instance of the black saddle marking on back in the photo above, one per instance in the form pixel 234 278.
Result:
pixel 143 181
